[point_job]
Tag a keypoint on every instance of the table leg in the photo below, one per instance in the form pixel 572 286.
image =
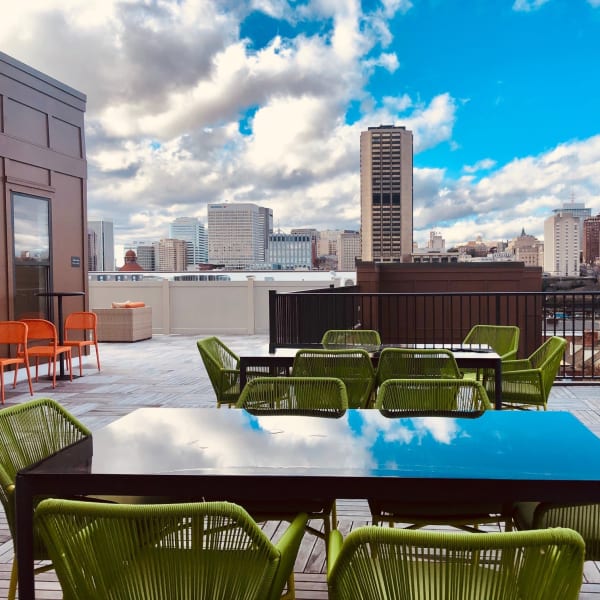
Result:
pixel 61 337
pixel 243 376
pixel 498 385
pixel 24 539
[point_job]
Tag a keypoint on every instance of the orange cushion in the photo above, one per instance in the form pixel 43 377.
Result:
pixel 135 305
pixel 120 304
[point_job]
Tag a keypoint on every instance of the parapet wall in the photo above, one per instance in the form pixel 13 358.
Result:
pixel 204 307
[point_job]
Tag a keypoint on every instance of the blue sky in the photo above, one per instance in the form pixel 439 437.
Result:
pixel 199 101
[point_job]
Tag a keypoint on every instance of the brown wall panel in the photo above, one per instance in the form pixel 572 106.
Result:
pixel 27 173
pixel 68 239
pixel 65 137
pixel 25 122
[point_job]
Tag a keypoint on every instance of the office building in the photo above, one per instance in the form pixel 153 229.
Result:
pixel 577 210
pixel 104 255
pixel 436 241
pixel 348 250
pixel 561 245
pixel 170 255
pixel 192 231
pixel 528 250
pixel 591 240
pixel 290 251
pixel 145 255
pixel 314 236
pixel 238 234
pixel 386 193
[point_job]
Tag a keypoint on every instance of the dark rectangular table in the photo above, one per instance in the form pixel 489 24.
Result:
pixel 467 357
pixel 192 454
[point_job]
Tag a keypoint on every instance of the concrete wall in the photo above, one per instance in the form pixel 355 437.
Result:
pixel 205 307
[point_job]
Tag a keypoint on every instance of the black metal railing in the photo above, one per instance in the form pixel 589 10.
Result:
pixel 300 319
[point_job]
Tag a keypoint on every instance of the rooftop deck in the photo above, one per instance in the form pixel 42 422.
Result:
pixel 168 371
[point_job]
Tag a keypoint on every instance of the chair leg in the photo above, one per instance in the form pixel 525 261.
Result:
pixel 97 355
pixel 2 383
pixel 70 363
pixel 12 586
pixel 80 367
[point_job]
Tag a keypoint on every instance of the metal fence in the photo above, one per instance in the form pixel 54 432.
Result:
pixel 300 319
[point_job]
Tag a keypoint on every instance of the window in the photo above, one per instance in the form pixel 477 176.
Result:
pixel 31 240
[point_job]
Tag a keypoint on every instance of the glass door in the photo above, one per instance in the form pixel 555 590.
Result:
pixel 31 234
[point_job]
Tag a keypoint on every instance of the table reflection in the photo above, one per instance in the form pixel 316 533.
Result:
pixel 494 445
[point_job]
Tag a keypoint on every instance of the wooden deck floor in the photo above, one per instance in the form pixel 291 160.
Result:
pixel 167 371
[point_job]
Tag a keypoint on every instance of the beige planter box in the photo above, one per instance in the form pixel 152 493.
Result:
pixel 124 324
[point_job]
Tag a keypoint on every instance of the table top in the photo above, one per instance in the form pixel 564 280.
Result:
pixel 496 446
pixel 60 294
pixel 460 351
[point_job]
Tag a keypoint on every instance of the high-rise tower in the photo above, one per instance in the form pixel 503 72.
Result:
pixel 192 232
pixel 386 193
pixel 102 256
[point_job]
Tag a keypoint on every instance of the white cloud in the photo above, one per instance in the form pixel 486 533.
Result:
pixel 481 165
pixel 528 5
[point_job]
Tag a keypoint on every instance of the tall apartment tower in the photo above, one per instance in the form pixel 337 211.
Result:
pixel 238 234
pixel 386 193
pixel 192 232
pixel 348 250
pixel 561 245
pixel 170 255
pixel 104 258
pixel 591 239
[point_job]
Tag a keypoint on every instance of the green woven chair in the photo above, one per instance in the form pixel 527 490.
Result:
pixel 583 518
pixel 527 382
pixel 352 366
pixel 399 564
pixel 223 368
pixel 310 396
pixel 30 432
pixel 415 397
pixel 503 339
pixel 196 551
pixel 351 338
pixel 443 398
pixel 304 396
pixel 414 363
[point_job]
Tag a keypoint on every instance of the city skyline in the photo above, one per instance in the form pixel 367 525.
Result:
pixel 191 103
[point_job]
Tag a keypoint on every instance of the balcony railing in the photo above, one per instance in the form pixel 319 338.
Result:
pixel 301 318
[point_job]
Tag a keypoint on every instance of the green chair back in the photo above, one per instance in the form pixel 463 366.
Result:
pixel 413 397
pixel 528 382
pixel 504 339
pixel 380 563
pixel 200 551
pixel 30 432
pixel 349 338
pixel 413 363
pixel 223 368
pixel 319 396
pixel 583 518
pixel 352 366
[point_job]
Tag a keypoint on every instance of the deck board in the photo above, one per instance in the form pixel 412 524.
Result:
pixel 167 371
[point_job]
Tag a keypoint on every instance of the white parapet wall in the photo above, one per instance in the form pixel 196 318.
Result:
pixel 200 307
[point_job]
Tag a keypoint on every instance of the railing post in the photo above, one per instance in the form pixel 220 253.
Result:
pixel 272 321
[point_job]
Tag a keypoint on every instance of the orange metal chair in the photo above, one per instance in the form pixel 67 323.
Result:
pixel 45 345
pixel 84 322
pixel 14 332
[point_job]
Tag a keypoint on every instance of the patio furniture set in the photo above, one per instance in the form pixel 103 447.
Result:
pixel 341 423
pixel 38 339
